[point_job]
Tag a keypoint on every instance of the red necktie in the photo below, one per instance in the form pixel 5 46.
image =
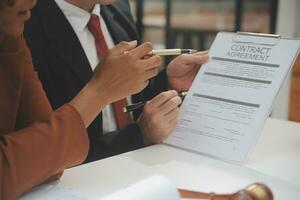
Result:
pixel 122 119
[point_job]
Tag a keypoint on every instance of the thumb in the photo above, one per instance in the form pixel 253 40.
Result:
pixel 122 47
pixel 194 59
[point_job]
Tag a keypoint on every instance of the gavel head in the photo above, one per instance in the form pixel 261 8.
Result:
pixel 256 191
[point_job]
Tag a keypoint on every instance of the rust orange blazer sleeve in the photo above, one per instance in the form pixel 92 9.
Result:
pixel 35 142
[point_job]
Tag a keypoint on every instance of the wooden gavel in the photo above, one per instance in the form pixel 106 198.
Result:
pixel 256 191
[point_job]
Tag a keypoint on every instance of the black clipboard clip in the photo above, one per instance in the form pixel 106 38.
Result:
pixel 261 38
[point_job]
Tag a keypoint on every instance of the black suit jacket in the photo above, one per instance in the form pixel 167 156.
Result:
pixel 63 68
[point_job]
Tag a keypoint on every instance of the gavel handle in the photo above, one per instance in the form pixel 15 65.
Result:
pixel 256 191
pixel 241 195
pixel 195 195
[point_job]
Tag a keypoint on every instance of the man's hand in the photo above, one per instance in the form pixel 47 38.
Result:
pixel 159 117
pixel 183 69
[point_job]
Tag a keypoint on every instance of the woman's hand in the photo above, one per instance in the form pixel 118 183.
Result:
pixel 124 71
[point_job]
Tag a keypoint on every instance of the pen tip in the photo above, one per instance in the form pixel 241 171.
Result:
pixel 182 94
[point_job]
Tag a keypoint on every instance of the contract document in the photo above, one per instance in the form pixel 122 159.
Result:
pixel 233 93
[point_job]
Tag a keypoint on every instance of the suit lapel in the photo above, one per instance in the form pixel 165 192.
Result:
pixel 64 40
pixel 119 25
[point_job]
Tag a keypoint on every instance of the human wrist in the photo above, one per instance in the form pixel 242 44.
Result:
pixel 99 92
pixel 89 102
pixel 144 133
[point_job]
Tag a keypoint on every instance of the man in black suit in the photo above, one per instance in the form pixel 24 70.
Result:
pixel 65 52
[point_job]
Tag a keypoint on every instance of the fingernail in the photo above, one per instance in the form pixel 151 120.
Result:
pixel 203 52
pixel 133 42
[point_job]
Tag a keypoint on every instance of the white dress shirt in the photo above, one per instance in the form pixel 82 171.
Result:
pixel 79 18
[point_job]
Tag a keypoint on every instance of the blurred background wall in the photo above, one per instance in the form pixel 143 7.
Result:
pixel 287 105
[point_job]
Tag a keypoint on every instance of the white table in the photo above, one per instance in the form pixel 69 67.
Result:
pixel 274 161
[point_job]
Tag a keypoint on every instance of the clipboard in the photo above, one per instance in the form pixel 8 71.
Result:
pixel 272 38
pixel 233 94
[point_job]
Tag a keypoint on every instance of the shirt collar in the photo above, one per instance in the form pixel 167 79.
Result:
pixel 78 17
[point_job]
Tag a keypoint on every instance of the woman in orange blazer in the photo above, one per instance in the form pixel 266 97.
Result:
pixel 37 144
